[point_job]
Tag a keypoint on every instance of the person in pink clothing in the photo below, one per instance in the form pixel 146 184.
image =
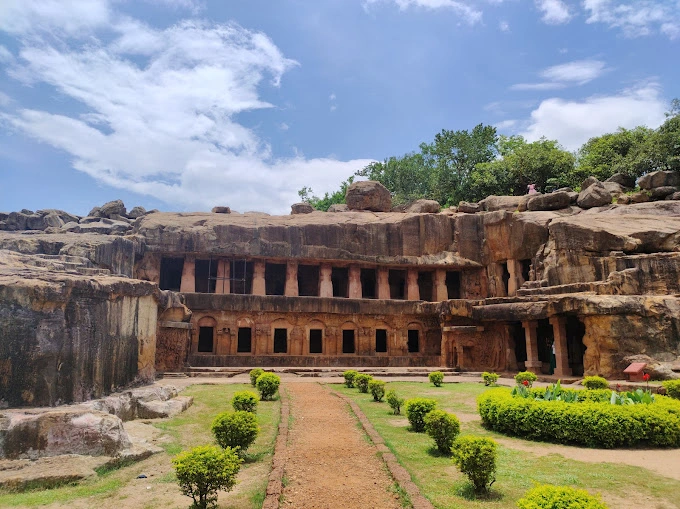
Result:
pixel 532 189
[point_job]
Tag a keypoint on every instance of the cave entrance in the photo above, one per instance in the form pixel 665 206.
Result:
pixel 518 335
pixel 525 267
pixel 280 340
pixel 453 284
pixel 315 341
pixel 426 285
pixel 275 278
pixel 348 341
pixel 368 284
pixel 505 277
pixel 575 330
pixel 545 338
pixel 397 282
pixel 171 274
pixel 340 281
pixel 413 341
pixel 381 340
pixel 245 340
pixel 308 280
pixel 206 339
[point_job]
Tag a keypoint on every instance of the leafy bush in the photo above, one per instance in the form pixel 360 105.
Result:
pixel 245 401
pixel 437 378
pixel 559 497
pixel 237 430
pixel 205 470
pixel 638 397
pixel 416 410
pixel 553 392
pixel 489 378
pixel 525 376
pixel 672 388
pixel 595 382
pixel 349 377
pixel 443 428
pixel 361 382
pixel 254 374
pixel 377 389
pixel 589 422
pixel 476 458
pixel 268 385
pixel 395 402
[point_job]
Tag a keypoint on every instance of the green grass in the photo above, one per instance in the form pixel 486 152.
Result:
pixel 441 482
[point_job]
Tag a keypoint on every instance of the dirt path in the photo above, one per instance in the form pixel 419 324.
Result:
pixel 330 463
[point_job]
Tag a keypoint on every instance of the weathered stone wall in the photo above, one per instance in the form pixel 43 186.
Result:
pixel 172 348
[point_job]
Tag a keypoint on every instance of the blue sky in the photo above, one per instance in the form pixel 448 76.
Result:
pixel 186 104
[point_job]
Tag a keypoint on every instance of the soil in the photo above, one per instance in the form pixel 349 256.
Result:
pixel 330 462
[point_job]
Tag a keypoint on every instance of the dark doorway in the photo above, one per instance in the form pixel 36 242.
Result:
pixel 413 341
pixel 397 282
pixel 308 280
pixel 205 276
pixel 526 269
pixel 545 338
pixel 245 340
pixel 280 340
pixel 575 330
pixel 275 278
pixel 453 284
pixel 171 274
pixel 241 277
pixel 368 284
pixel 340 280
pixel 206 339
pixel 315 341
pixel 426 285
pixel 505 277
pixel 381 340
pixel 518 335
pixel 348 341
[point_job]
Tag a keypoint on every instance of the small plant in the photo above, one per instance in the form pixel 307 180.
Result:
pixel 395 402
pixel 349 377
pixel 268 385
pixel 490 379
pixel 437 378
pixel 361 382
pixel 639 397
pixel 236 430
pixel 443 428
pixel 559 497
pixel 416 410
pixel 377 389
pixel 595 382
pixel 203 471
pixel 672 388
pixel 245 401
pixel 525 376
pixel 254 374
pixel 476 458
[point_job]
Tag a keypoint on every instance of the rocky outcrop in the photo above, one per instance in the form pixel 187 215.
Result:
pixel 659 179
pixel 595 195
pixel 423 207
pixel 623 180
pixel 368 195
pixel 493 203
pixel 301 208
pixel 553 201
pixel 469 208
pixel 221 210
pixel 338 207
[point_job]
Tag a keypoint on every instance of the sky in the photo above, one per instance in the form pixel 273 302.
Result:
pixel 182 105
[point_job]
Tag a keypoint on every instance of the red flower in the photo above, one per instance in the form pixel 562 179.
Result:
pixel 645 377
pixel 525 382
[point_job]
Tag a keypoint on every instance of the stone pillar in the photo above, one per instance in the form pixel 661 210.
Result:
pixel 383 284
pixel 561 352
pixel 355 282
pixel 412 290
pixel 223 285
pixel 444 350
pixel 441 292
pixel 532 364
pixel 291 280
pixel 258 278
pixel 188 284
pixel 515 274
pixel 325 282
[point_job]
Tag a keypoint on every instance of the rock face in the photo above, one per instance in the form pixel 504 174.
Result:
pixel 623 180
pixel 493 203
pixel 553 201
pixel 659 179
pixel 368 195
pixel 116 207
pixel 221 210
pixel 338 207
pixel 301 208
pixel 595 195
pixel 469 208
pixel 424 207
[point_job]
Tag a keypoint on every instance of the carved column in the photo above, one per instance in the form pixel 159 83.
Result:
pixel 259 287
pixel 291 280
pixel 532 364
pixel 441 291
pixel 513 281
pixel 188 284
pixel 383 284
pixel 325 282
pixel 561 352
pixel 222 285
pixel 412 290
pixel 355 282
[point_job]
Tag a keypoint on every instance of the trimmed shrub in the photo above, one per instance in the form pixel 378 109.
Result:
pixel 268 385
pixel 236 430
pixel 559 497
pixel 443 428
pixel 476 458
pixel 595 382
pixel 254 374
pixel 672 388
pixel 377 389
pixel 395 402
pixel 203 471
pixel 527 376
pixel 361 382
pixel 437 378
pixel 490 379
pixel 416 410
pixel 349 377
pixel 245 401
pixel 587 422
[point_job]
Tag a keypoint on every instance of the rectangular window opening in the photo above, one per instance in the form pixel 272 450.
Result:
pixel 340 280
pixel 241 277
pixel 205 276
pixel 315 341
pixel 453 284
pixel 368 284
pixel 171 274
pixel 308 280
pixel 381 341
pixel 275 278
pixel 397 282
pixel 426 285
pixel 526 269
pixel 245 340
pixel 348 341
pixel 280 340
pixel 413 341
pixel 205 339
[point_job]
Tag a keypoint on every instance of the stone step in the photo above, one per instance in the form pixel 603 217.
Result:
pixel 87 271
pixel 556 290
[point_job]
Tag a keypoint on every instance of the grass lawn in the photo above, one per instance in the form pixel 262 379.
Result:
pixel 120 488
pixel 517 470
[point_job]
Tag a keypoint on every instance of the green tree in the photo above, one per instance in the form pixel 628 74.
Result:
pixel 306 195
pixel 619 152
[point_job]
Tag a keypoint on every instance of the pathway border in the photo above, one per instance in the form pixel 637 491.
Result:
pixel 275 484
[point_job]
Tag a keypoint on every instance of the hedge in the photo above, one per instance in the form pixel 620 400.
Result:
pixel 672 388
pixel 590 423
pixel 559 497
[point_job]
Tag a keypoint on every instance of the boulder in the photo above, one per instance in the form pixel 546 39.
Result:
pixel 301 208
pixel 106 228
pixel 71 227
pixel 95 212
pixel 573 197
pixel 424 207
pixel 368 195
pixel 162 409
pixel 113 207
pixel 221 210
pixel 493 203
pixel 641 197
pixel 674 196
pixel 469 208
pixel 35 222
pixel 338 207
pixel 53 220
pixel 595 195
pixel 522 206
pixel 588 182
pixel 136 212
pixel 565 189
pixel 552 201
pixel 614 187
pixel 659 179
pixel 622 179
pixel 660 193
pixel 16 221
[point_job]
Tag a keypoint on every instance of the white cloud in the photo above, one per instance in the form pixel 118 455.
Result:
pixel 572 123
pixel 161 109
pixel 283 126
pixel 578 72
pixel 4 99
pixel 332 97
pixel 333 107
pixel 504 26
pixel 72 17
pixel 505 124
pixel 636 18
pixel 470 15
pixel 5 55
pixel 555 12
pixel 545 85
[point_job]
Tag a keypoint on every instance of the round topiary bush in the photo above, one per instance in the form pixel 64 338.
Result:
pixel 436 378
pixel 476 458
pixel 245 401
pixel 377 389
pixel 237 430
pixel 559 497
pixel 672 388
pixel 525 376
pixel 595 382
pixel 267 385
pixel 395 402
pixel 416 410
pixel 361 382
pixel 203 471
pixel 254 374
pixel 490 379
pixel 443 428
pixel 349 377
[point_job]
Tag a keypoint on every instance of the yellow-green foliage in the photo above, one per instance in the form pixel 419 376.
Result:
pixel 254 374
pixel 349 377
pixel 361 382
pixel 416 410
pixel 489 378
pixel 437 378
pixel 559 497
pixel 237 430
pixel 395 402
pixel 527 376
pixel 443 428
pixel 476 458
pixel 245 401
pixel 595 382
pixel 377 389
pixel 268 385
pixel 672 388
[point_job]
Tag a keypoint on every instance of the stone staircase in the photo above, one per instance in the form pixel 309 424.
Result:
pixel 66 263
